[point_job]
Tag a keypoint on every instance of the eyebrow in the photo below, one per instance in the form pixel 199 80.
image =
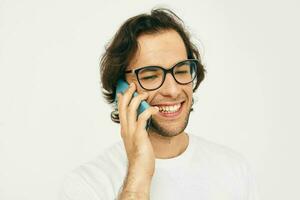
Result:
pixel 150 68
pixel 158 66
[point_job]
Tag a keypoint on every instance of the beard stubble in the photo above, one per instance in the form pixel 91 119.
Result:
pixel 165 131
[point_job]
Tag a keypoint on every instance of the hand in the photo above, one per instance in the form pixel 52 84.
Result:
pixel 140 154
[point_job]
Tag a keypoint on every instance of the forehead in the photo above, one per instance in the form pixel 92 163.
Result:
pixel 164 49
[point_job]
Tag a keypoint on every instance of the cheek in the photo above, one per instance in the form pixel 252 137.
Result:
pixel 188 90
pixel 151 96
pixel 139 89
pixel 189 93
pixel 130 79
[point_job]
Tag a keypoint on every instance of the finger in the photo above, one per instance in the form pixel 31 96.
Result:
pixel 127 95
pixel 123 101
pixel 132 109
pixel 122 115
pixel 144 116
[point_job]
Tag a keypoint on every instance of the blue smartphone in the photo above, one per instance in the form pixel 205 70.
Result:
pixel 122 85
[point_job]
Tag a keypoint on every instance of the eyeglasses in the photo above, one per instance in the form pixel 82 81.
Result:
pixel 153 77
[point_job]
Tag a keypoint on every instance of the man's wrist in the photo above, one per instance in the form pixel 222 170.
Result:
pixel 136 185
pixel 132 195
pixel 137 182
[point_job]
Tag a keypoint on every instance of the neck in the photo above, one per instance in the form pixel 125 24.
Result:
pixel 168 147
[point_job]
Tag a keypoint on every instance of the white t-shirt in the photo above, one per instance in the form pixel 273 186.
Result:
pixel 205 171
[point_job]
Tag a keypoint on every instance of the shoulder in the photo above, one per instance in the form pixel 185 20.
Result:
pixel 228 165
pixel 99 178
pixel 217 154
pixel 109 162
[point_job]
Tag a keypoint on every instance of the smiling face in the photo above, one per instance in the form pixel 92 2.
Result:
pixel 164 49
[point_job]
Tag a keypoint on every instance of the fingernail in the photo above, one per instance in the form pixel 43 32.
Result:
pixel 131 84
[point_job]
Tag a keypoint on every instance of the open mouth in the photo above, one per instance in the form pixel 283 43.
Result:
pixel 171 110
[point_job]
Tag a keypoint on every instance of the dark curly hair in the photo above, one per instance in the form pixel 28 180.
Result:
pixel 119 52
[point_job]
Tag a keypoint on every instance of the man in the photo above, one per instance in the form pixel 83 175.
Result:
pixel 157 160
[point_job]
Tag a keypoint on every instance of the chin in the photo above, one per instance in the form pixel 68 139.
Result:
pixel 168 130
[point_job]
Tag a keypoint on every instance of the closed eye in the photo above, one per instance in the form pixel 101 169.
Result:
pixel 149 77
pixel 182 72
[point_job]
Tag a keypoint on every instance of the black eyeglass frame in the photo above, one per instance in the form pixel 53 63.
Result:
pixel 170 70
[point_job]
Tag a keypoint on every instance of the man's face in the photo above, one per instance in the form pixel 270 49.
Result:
pixel 174 100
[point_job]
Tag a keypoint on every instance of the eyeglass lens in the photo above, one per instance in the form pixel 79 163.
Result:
pixel 152 77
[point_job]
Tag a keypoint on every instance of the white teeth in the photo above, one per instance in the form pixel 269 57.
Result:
pixel 169 109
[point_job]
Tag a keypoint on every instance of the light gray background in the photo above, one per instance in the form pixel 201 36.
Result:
pixel 53 117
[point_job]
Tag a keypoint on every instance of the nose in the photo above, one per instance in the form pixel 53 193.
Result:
pixel 170 87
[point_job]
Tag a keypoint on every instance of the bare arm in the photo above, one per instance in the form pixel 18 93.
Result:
pixel 141 158
pixel 135 187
